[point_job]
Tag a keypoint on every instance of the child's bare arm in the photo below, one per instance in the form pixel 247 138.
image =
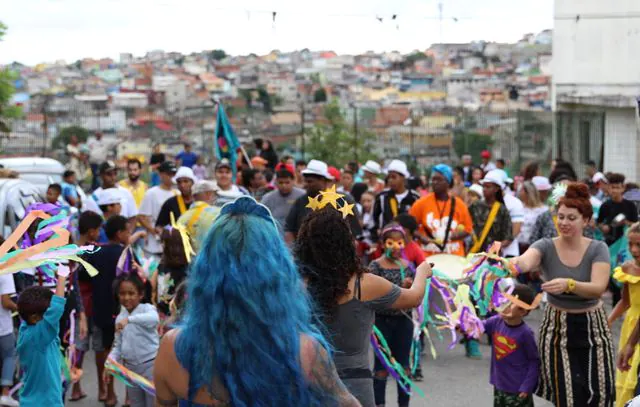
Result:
pixel 63 273
pixel 7 303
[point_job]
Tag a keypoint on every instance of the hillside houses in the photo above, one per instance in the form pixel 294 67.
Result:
pixel 171 95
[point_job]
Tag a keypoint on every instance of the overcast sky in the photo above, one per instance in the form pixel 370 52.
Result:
pixel 48 30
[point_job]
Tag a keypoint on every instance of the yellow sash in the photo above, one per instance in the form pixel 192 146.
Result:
pixel 555 223
pixel 477 245
pixel 393 203
pixel 181 205
pixel 196 215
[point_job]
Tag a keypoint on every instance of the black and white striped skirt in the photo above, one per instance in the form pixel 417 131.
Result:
pixel 577 361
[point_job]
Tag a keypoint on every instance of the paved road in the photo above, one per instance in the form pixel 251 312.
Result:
pixel 451 380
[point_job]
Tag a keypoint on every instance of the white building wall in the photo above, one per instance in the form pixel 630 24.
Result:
pixel 621 144
pixel 596 66
pixel 595 47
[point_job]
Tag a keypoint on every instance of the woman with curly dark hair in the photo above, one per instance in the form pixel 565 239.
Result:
pixel 347 296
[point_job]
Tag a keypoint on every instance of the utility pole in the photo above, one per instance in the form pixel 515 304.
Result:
pixel 412 138
pixel 440 17
pixel 45 124
pixel 355 132
pixel 302 128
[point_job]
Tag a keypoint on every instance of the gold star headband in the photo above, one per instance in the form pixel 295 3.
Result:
pixel 331 197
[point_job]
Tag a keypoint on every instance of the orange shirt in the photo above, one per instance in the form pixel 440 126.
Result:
pixel 433 215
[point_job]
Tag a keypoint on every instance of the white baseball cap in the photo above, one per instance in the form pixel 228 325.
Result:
pixel 477 189
pixel 205 186
pixel 598 176
pixel 109 196
pixel 319 168
pixel 541 183
pixel 185 172
pixel 372 167
pixel 494 177
pixel 398 166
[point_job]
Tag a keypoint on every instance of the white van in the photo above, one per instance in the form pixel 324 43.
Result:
pixel 15 197
pixel 39 171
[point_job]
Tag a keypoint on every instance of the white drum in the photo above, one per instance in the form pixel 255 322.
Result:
pixel 450 264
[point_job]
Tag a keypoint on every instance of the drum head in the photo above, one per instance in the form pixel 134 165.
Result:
pixel 450 264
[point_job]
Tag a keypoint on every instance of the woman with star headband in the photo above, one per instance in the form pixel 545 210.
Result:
pixel 347 296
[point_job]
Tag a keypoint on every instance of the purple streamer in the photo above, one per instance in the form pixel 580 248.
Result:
pixel 388 368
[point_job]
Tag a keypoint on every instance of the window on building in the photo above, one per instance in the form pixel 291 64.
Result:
pixel 585 136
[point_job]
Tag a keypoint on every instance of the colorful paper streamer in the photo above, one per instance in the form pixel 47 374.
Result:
pixel 129 378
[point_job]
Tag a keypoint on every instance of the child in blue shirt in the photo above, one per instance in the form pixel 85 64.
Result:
pixel 39 343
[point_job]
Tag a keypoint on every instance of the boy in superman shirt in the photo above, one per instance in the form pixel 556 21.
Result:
pixel 514 353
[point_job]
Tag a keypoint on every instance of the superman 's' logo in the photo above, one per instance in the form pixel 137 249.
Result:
pixel 503 346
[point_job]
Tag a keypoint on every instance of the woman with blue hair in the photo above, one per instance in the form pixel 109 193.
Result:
pixel 247 337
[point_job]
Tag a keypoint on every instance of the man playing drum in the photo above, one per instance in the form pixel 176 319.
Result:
pixel 444 220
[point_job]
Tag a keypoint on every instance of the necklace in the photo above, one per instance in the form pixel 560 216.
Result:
pixel 441 210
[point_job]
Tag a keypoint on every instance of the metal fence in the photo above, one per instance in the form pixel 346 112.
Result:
pixel 429 138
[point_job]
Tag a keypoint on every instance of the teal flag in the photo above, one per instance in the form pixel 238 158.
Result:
pixel 619 253
pixel 227 143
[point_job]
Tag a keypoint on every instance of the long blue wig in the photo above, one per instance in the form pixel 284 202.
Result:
pixel 245 312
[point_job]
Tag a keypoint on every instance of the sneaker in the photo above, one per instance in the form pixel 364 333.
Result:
pixel 8 401
pixel 418 377
pixel 472 349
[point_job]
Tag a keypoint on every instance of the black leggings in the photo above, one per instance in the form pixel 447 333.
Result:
pixel 398 331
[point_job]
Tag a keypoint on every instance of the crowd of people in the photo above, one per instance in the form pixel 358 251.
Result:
pixel 271 274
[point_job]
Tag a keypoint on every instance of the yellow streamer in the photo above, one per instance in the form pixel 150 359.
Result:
pixel 186 242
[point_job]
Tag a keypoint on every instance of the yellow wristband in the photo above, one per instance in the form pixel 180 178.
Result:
pixel 571 285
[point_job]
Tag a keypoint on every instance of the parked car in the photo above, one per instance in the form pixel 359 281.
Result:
pixel 15 196
pixel 39 171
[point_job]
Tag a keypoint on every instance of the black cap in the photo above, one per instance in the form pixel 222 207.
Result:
pixel 107 166
pixel 167 167
pixel 223 163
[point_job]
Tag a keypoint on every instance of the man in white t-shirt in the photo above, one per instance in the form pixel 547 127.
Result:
pixel 108 175
pixel 98 153
pixel 151 204
pixel 7 339
pixel 486 163
pixel 516 211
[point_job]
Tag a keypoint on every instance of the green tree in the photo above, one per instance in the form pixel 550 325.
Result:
pixel 320 96
pixel 64 137
pixel 246 94
pixel 218 54
pixel 471 143
pixel 316 79
pixel 276 100
pixel 7 89
pixel 265 99
pixel 416 56
pixel 335 143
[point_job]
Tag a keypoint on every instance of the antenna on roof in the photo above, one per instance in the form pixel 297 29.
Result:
pixel 440 17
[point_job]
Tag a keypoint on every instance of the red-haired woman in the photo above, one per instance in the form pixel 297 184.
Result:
pixel 577 360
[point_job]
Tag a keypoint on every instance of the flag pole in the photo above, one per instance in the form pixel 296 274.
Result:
pixel 246 156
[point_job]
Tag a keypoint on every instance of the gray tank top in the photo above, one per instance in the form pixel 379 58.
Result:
pixel 351 326
pixel 552 267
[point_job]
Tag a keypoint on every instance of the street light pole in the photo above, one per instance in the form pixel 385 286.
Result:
pixel 45 124
pixel 302 129
pixel 355 132
pixel 412 138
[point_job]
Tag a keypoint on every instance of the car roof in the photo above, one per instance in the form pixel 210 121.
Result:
pixel 33 165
